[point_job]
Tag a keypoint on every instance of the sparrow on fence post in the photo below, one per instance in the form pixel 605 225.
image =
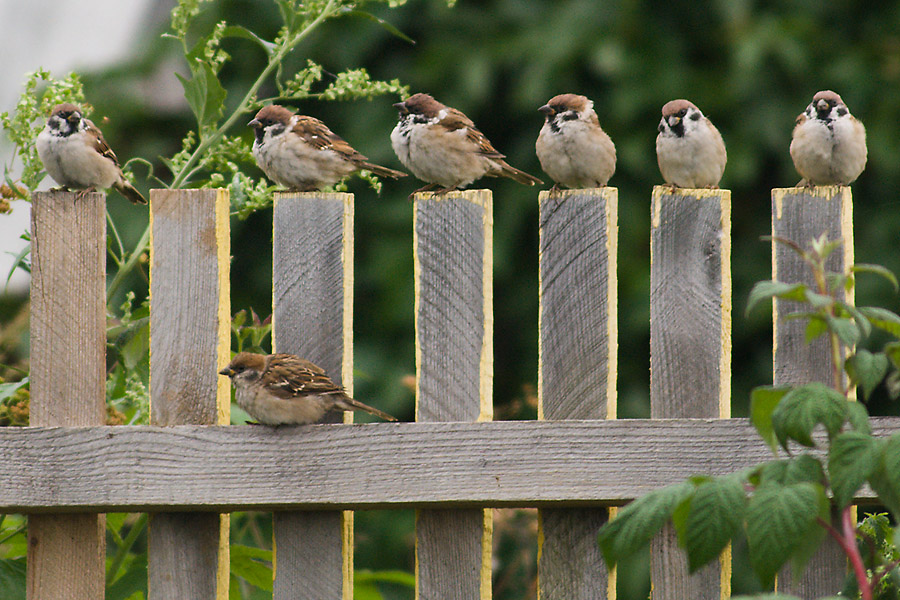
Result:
pixel 442 146
pixel 689 148
pixel 76 156
pixel 828 145
pixel 303 154
pixel 572 147
pixel 282 389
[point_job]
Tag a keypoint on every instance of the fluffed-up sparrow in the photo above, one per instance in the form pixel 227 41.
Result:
pixel 76 156
pixel 442 146
pixel 282 389
pixel 689 148
pixel 829 144
pixel 303 154
pixel 572 147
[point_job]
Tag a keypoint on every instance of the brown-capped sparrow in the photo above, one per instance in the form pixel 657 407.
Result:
pixel 282 389
pixel 572 147
pixel 442 146
pixel 689 149
pixel 76 156
pixel 829 144
pixel 302 154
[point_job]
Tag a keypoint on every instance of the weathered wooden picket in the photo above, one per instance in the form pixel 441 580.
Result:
pixel 188 469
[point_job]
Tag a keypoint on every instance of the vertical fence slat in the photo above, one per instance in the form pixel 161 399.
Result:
pixel 189 342
pixel 312 286
pixel 66 553
pixel 577 369
pixel 690 348
pixel 452 243
pixel 801 214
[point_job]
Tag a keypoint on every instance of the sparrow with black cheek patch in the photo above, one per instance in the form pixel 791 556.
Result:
pixel 281 389
pixel 76 156
pixel 572 147
pixel 689 149
pixel 302 154
pixel 829 144
pixel 442 146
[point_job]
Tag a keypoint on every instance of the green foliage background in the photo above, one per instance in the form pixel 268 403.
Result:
pixel 750 66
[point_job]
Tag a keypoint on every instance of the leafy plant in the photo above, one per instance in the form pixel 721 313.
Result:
pixel 785 506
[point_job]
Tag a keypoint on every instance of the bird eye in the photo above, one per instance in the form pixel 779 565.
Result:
pixel 682 112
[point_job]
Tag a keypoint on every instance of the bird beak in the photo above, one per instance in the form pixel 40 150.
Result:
pixel 674 120
pixel 73 118
pixel 401 106
pixel 254 123
pixel 546 110
pixel 822 105
pixel 227 371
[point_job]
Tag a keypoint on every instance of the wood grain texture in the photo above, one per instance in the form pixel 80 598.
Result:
pixel 68 327
pixel 312 303
pixel 576 369
pixel 189 340
pixel 384 465
pixel 800 215
pixel 690 348
pixel 453 261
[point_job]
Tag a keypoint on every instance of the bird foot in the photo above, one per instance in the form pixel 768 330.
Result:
pixel 424 188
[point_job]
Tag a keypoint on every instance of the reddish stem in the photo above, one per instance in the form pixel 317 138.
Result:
pixel 852 550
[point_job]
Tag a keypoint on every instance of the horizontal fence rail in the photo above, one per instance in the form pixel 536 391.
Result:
pixel 384 465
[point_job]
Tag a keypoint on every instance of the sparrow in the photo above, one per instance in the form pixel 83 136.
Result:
pixel 76 156
pixel 442 146
pixel 829 144
pixel 282 389
pixel 303 154
pixel 689 149
pixel 572 147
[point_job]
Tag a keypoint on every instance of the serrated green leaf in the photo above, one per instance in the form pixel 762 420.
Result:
pixel 716 513
pixel 846 329
pixel 885 479
pixel 866 369
pixel 816 300
pixel 877 270
pixel 850 462
pixel 862 322
pixel 882 318
pixel 892 351
pixel 134 343
pixel 763 401
pixel 239 31
pixel 204 94
pixel 892 384
pixel 778 517
pixel 805 407
pixel 803 468
pixel 638 522
pixel 245 563
pixel 390 28
pixel 858 417
pixel 764 290
pixel 8 390
pixel 815 327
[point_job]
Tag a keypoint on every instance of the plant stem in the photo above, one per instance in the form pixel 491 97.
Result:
pixel 125 547
pixel 852 550
pixel 205 143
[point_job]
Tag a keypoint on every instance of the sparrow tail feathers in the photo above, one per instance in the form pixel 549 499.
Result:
pixel 382 171
pixel 353 404
pixel 129 191
pixel 507 170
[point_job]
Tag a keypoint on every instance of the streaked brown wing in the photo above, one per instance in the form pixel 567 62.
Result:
pixel 287 376
pixel 315 133
pixel 99 143
pixel 457 120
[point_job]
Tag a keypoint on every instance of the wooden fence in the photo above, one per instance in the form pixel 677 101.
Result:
pixel 576 463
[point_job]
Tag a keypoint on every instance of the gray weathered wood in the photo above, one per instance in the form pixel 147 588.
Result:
pixel 312 304
pixel 453 252
pixel 577 367
pixel 383 465
pixel 189 342
pixel 690 347
pixel 800 215
pixel 68 376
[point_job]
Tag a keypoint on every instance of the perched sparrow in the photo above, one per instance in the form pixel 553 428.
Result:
pixel 76 156
pixel 281 389
pixel 689 149
pixel 441 146
pixel 829 144
pixel 302 154
pixel 572 147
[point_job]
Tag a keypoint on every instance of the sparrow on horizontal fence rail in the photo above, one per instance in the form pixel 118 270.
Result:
pixel 829 144
pixel 302 154
pixel 76 156
pixel 282 389
pixel 689 148
pixel 572 147
pixel 442 146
